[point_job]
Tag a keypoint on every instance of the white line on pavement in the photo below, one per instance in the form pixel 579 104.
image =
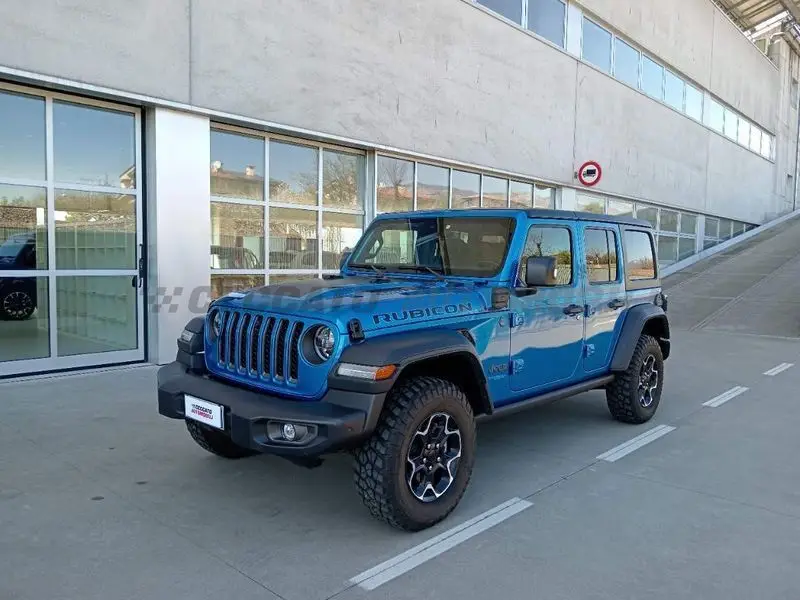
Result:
pixel 724 397
pixel 402 563
pixel 779 369
pixel 618 452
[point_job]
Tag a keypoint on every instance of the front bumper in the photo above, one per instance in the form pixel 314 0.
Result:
pixel 341 418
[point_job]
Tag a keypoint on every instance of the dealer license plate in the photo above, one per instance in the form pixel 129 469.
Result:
pixel 203 411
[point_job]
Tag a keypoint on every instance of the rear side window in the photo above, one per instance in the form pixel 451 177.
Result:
pixel 601 255
pixel 545 240
pixel 640 260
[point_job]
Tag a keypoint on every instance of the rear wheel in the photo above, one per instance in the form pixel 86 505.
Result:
pixel 634 395
pixel 17 305
pixel 415 468
pixel 215 441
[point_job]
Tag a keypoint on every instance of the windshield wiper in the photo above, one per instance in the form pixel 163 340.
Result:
pixel 379 269
pixel 419 269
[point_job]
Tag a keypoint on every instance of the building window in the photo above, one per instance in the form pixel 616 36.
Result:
pixel 433 187
pixel 731 124
pixel 544 197
pixel 744 133
pixel 521 194
pixel 755 139
pixel 395 184
pixel 510 9
pixel 343 177
pixel 495 192
pixel 715 115
pixel 652 78
pixel 647 213
pixel 466 189
pixel 592 204
pixel 596 45
pixel 674 91
pixel 237 166
pixel 22 123
pixel 620 208
pixel 694 102
pixel 547 18
pixel 766 145
pixel 626 63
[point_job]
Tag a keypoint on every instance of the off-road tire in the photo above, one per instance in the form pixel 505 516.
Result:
pixel 380 474
pixel 216 442
pixel 622 394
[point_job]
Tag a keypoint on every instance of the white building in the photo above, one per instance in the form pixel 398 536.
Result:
pixel 154 154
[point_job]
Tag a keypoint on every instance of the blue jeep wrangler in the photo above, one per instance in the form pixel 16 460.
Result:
pixel 436 319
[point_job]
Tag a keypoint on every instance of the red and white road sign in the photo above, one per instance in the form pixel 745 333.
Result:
pixel 589 173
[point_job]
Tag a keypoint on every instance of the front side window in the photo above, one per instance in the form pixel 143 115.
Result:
pixel 457 246
pixel 547 240
pixel 601 255
pixel 640 259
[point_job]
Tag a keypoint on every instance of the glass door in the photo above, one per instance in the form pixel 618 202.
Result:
pixel 70 232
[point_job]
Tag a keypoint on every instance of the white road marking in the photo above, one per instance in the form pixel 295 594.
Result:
pixel 402 563
pixel 724 397
pixel 779 369
pixel 618 452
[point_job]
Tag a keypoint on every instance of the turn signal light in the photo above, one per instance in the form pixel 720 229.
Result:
pixel 367 372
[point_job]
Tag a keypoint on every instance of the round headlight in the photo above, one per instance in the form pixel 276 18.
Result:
pixel 324 342
pixel 216 323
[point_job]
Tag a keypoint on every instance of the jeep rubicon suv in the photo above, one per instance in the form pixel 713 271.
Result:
pixel 437 318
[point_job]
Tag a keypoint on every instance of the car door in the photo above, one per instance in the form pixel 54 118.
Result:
pixel 604 291
pixel 547 323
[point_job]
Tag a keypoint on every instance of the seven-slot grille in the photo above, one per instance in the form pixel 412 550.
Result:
pixel 260 347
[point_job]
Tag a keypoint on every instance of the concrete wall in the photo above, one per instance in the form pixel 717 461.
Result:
pixel 443 78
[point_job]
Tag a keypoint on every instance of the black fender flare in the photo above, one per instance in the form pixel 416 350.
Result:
pixel 405 350
pixel 637 319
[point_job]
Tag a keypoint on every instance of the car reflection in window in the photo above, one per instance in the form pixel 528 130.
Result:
pixel 17 294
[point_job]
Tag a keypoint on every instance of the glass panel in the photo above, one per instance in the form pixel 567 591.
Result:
pixel 686 247
pixel 293 239
pixel 725 229
pixel 95 314
pixel 288 279
pixel 647 213
pixel 237 166
pixel 510 9
pixel 694 102
pixel 731 124
pixel 598 263
pixel 738 229
pixel 669 221
pixel 626 63
pixel 340 232
pixel 596 45
pixel 343 180
pixel 715 115
pixel 640 260
pixel 95 231
pixel 673 94
pixel 24 318
pixel 766 145
pixel 544 197
pixel 466 189
pixel 591 204
pixel 667 249
pixel 546 18
pixel 395 184
pixel 293 173
pixel 222 285
pixel 620 208
pixel 495 192
pixel 652 78
pixel 755 139
pixel 542 241
pixel 23 228
pixel 433 185
pixel 22 134
pixel 521 194
pixel 711 232
pixel 237 236
pixel 688 223
pixel 94 146
pixel 744 133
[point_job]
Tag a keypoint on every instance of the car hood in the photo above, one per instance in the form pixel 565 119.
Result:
pixel 376 303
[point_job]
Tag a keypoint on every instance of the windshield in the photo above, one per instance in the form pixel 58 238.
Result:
pixel 459 246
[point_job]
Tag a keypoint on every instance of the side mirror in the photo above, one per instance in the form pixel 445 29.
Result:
pixel 541 271
pixel 345 255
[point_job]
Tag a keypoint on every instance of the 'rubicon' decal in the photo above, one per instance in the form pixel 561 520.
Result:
pixel 421 313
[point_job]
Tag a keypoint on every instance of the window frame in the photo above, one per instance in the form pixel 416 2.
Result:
pixel 632 284
pixel 573 281
pixel 607 230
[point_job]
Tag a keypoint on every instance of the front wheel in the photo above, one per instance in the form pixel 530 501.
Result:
pixel 414 469
pixel 634 395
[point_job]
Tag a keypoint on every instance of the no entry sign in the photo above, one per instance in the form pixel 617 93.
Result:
pixel 589 173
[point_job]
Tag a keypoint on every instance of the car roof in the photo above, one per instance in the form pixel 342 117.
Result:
pixel 531 213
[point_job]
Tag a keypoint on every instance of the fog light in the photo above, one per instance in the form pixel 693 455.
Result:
pixel 289 432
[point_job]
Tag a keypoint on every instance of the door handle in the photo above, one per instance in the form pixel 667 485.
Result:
pixel 616 303
pixel 574 309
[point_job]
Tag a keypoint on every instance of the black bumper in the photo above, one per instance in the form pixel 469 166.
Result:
pixel 341 418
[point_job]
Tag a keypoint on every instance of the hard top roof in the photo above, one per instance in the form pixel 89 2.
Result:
pixel 532 213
